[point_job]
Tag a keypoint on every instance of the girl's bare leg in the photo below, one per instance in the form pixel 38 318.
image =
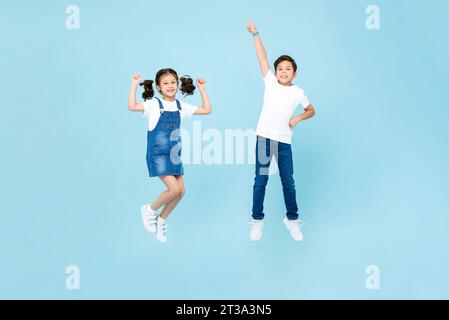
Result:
pixel 173 203
pixel 173 192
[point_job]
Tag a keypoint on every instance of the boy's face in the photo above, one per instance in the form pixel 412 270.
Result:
pixel 285 73
pixel 168 85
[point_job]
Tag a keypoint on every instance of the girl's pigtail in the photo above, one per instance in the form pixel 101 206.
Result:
pixel 148 87
pixel 187 86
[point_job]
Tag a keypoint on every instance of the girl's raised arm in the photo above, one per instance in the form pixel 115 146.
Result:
pixel 132 104
pixel 206 108
pixel 260 49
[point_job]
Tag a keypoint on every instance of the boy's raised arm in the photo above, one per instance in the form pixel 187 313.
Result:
pixel 260 49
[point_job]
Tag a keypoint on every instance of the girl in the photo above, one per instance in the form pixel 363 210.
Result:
pixel 163 139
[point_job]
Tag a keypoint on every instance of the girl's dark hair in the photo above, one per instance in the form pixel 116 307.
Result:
pixel 148 87
pixel 187 86
pixel 285 58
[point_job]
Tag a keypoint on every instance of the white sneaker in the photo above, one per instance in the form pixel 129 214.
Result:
pixel 294 227
pixel 161 230
pixel 149 218
pixel 256 230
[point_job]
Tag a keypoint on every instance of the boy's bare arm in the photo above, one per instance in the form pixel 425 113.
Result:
pixel 309 112
pixel 260 49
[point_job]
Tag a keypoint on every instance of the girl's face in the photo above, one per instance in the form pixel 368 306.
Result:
pixel 285 73
pixel 168 85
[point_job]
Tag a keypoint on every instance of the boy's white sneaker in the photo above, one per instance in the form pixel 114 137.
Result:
pixel 256 230
pixel 161 233
pixel 149 217
pixel 294 227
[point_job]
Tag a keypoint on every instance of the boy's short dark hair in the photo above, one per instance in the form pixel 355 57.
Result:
pixel 285 58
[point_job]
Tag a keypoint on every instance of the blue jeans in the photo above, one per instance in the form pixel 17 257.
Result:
pixel 265 150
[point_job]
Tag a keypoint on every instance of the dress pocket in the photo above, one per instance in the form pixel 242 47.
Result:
pixel 160 150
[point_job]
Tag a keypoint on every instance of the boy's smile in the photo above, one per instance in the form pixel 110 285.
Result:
pixel 285 73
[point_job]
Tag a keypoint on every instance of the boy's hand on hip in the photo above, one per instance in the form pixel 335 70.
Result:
pixel 293 122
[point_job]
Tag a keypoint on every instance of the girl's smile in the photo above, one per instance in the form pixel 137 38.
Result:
pixel 168 86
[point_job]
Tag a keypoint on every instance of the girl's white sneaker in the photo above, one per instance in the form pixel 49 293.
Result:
pixel 294 227
pixel 161 233
pixel 149 218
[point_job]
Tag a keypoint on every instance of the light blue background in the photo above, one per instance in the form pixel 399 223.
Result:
pixel 371 168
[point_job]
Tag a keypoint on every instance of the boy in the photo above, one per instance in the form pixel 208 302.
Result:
pixel 274 134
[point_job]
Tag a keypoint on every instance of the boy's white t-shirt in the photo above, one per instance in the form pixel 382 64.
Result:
pixel 152 110
pixel 279 103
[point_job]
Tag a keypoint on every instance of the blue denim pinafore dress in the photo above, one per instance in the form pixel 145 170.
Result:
pixel 164 144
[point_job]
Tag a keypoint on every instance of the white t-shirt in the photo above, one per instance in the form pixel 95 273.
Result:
pixel 152 110
pixel 279 103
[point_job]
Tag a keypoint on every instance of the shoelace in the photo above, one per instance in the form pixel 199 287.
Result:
pixel 151 218
pixel 255 223
pixel 300 223
pixel 296 226
pixel 164 227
